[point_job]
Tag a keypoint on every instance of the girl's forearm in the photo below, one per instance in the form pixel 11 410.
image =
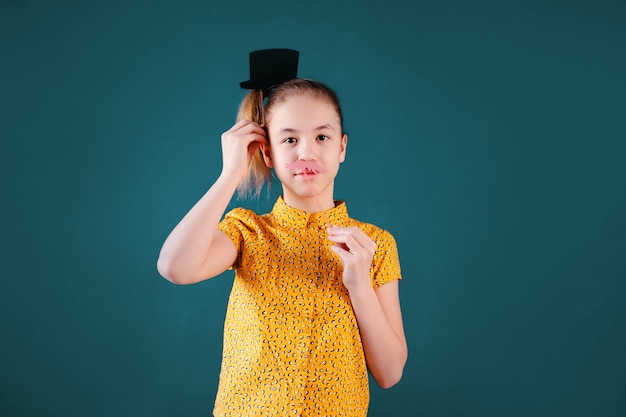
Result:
pixel 385 349
pixel 187 249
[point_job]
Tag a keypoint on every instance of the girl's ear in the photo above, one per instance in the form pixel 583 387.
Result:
pixel 344 145
pixel 267 154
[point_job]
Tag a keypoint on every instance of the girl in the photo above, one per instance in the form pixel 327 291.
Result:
pixel 315 302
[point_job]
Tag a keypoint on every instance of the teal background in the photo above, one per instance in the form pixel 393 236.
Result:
pixel 487 136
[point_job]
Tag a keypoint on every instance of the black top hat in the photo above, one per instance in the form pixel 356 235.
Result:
pixel 271 67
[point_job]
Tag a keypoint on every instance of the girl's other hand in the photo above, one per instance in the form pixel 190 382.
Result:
pixel 239 143
pixel 356 251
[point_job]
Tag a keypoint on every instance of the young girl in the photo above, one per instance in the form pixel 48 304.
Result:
pixel 315 302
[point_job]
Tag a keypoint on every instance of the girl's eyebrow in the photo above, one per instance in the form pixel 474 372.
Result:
pixel 292 130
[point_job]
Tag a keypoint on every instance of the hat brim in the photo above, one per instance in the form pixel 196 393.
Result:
pixel 264 84
pixel 252 85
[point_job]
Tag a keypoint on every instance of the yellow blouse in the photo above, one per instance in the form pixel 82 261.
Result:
pixel 291 341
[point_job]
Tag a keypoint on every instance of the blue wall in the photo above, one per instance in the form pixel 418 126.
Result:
pixel 487 136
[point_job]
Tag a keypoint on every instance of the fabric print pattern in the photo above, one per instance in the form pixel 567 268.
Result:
pixel 291 340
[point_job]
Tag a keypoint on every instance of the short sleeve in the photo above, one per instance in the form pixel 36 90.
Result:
pixel 386 264
pixel 233 226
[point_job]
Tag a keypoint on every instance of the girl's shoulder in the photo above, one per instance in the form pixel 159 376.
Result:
pixel 375 232
pixel 245 216
pixel 241 212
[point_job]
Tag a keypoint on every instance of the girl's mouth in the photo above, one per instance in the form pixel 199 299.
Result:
pixel 305 173
pixel 305 168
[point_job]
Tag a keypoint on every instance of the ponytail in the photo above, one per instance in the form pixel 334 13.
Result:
pixel 251 108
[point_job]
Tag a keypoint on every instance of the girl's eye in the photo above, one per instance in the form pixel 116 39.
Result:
pixel 289 140
pixel 322 137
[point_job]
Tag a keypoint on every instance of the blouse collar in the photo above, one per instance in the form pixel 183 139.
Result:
pixel 292 218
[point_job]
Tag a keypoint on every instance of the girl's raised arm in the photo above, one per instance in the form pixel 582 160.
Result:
pixel 196 249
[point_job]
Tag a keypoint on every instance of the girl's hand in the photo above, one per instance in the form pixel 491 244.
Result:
pixel 356 251
pixel 239 144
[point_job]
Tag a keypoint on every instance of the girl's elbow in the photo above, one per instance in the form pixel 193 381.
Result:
pixel 180 273
pixel 390 379
pixel 168 271
pixel 392 374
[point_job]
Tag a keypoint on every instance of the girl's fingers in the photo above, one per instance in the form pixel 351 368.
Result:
pixel 354 235
pixel 246 126
pixel 239 144
pixel 352 239
pixel 243 134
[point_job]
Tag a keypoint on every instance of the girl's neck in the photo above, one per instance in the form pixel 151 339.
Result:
pixel 309 204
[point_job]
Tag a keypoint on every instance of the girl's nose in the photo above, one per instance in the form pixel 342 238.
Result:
pixel 305 151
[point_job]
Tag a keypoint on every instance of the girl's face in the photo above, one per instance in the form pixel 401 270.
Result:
pixel 306 128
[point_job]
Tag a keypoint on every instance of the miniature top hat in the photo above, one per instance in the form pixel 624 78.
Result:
pixel 271 67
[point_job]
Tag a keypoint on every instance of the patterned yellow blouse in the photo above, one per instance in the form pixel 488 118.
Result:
pixel 291 341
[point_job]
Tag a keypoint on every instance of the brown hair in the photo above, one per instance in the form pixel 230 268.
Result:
pixel 251 108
